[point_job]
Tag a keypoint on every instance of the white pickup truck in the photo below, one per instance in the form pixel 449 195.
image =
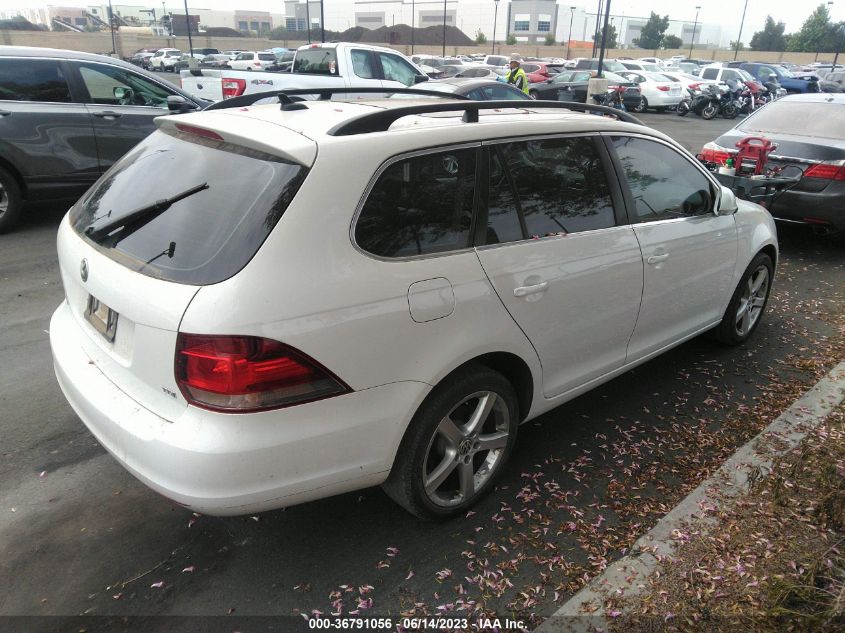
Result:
pixel 335 65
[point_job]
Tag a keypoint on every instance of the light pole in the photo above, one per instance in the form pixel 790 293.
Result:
pixel 188 26
pixel 444 28
pixel 569 37
pixel 413 17
pixel 596 32
pixel 308 18
pixel 111 28
pixel 694 25
pixel 741 24
pixel 495 17
pixel 603 37
pixel 322 27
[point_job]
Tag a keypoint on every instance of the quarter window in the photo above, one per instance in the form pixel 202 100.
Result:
pixel 663 184
pixel 548 187
pixel 33 80
pixel 420 205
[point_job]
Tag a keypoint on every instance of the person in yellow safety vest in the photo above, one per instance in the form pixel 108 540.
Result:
pixel 517 77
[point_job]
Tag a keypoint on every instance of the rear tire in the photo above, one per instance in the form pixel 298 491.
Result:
pixel 11 201
pixel 683 108
pixel 642 106
pixel 729 111
pixel 456 445
pixel 748 302
pixel 709 111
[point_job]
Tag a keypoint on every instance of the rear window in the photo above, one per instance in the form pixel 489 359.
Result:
pixel 318 61
pixel 821 120
pixel 33 80
pixel 212 231
pixel 267 57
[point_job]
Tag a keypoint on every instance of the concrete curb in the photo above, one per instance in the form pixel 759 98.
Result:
pixel 585 610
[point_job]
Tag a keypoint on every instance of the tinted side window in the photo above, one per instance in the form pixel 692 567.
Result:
pixel 397 69
pixel 112 85
pixel 709 73
pixel 663 183
pixel 33 80
pixel 362 64
pixel 550 186
pixel 420 205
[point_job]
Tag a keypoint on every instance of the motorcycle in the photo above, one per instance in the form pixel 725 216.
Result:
pixel 706 102
pixel 723 101
pixel 684 106
pixel 612 98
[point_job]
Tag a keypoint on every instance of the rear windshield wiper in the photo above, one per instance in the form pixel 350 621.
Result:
pixel 138 218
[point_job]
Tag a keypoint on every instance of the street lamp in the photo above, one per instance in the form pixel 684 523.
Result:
pixel 596 32
pixel 495 17
pixel 569 37
pixel 413 17
pixel 695 24
pixel 741 24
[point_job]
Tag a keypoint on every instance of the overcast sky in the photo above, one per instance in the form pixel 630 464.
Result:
pixel 727 13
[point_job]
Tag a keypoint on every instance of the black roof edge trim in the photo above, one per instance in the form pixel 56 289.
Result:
pixel 325 93
pixel 381 120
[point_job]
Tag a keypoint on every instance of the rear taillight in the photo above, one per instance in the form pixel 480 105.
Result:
pixel 663 88
pixel 826 171
pixel 694 86
pixel 258 63
pixel 233 87
pixel 240 374
pixel 716 153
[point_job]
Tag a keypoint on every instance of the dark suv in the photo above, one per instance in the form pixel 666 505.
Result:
pixel 66 116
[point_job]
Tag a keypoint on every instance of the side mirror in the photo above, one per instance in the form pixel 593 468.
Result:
pixel 727 204
pixel 418 79
pixel 177 104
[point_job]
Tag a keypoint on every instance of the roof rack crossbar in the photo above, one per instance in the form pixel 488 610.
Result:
pixel 283 96
pixel 381 120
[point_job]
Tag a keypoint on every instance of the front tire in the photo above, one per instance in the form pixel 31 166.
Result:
pixel 642 106
pixel 709 111
pixel 748 302
pixel 11 201
pixel 456 445
pixel 683 108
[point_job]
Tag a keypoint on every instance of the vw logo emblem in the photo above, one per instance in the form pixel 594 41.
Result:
pixel 83 269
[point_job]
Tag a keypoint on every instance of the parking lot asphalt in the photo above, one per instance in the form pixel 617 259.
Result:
pixel 79 535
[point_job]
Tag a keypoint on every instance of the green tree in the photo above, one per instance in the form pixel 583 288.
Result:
pixel 734 47
pixel 652 34
pixel 511 40
pixel 480 38
pixel 612 37
pixel 671 42
pixel 817 34
pixel 771 38
pixel 550 39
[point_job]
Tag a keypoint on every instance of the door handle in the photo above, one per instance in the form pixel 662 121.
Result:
pixel 4 113
pixel 656 259
pixel 523 291
pixel 107 114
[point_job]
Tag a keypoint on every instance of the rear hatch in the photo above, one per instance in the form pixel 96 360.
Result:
pixel 184 209
pixel 208 84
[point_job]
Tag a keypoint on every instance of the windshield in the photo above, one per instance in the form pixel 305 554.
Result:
pixel 822 120
pixel 202 207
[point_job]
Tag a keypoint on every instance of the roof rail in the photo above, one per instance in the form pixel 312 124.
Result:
pixel 381 120
pixel 325 94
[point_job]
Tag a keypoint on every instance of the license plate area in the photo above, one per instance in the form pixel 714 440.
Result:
pixel 102 317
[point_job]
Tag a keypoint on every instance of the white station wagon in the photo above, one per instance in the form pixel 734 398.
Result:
pixel 271 304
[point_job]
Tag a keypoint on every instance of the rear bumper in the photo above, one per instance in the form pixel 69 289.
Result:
pixel 824 207
pixel 224 464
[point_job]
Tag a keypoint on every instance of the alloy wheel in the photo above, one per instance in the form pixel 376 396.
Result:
pixel 467 447
pixel 753 300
